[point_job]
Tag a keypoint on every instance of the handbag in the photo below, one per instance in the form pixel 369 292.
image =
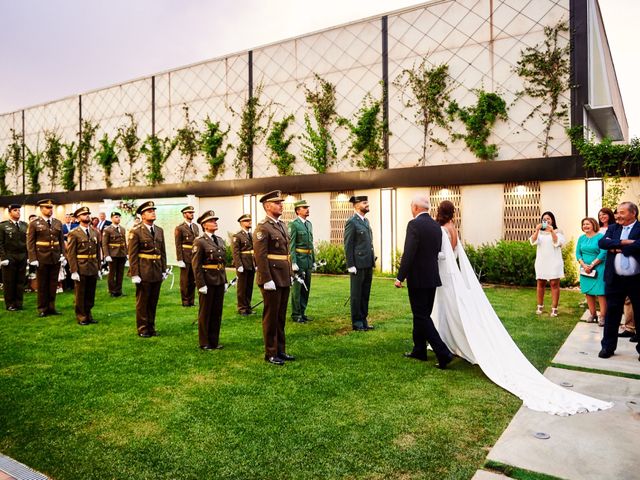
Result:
pixel 592 274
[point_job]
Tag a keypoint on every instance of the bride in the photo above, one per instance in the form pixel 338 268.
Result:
pixel 471 329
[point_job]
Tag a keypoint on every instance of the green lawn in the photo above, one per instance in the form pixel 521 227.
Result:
pixel 98 402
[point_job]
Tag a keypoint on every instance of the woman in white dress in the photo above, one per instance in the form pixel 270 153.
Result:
pixel 549 264
pixel 470 328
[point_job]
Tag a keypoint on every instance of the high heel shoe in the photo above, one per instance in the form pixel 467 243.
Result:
pixel 539 309
pixel 554 312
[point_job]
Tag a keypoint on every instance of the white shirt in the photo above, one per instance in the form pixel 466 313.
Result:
pixel 626 266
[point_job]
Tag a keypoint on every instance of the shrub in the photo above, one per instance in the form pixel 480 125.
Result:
pixel 333 255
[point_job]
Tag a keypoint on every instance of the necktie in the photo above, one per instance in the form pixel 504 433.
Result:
pixel 117 229
pixel 49 222
pixel 153 232
pixel 191 228
pixel 18 225
pixel 86 230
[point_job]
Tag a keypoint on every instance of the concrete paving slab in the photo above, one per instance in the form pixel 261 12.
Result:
pixel 484 475
pixel 591 446
pixel 582 347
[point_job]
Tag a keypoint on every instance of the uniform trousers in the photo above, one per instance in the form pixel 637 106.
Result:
pixel 424 331
pixel 300 295
pixel 210 315
pixel 360 291
pixel 13 276
pixel 47 277
pixel 274 316
pixel 85 291
pixel 187 285
pixel 147 296
pixel 616 292
pixel 116 275
pixel 244 290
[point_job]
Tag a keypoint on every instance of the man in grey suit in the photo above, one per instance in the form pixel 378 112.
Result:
pixel 358 249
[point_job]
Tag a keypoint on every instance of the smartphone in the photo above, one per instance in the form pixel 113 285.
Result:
pixel 544 225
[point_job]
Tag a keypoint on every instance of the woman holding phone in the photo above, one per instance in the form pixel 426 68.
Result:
pixel 549 265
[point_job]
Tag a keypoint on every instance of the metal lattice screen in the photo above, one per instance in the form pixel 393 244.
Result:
pixel 341 210
pixel 521 212
pixel 452 193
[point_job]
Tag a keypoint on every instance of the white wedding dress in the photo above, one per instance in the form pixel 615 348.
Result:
pixel 469 326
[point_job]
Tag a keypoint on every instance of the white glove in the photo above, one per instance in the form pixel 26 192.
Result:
pixel 108 259
pixel 291 280
pixel 181 264
pixel 75 276
pixel 441 256
pixel 35 263
pixel 165 275
pixel 295 267
pixel 352 270
pixel 270 285
pixel 203 290
pixel 136 279
pixel 63 260
pixel 240 269
pixel 4 263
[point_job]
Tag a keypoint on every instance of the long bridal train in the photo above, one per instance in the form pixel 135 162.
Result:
pixel 471 329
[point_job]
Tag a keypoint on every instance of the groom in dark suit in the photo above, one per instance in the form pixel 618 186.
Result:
pixel 621 273
pixel 419 266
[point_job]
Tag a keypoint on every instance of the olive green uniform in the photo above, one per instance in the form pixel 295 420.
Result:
pixel 114 245
pixel 242 250
pixel 13 247
pixel 184 237
pixel 301 249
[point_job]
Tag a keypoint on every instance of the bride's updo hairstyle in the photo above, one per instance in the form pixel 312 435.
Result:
pixel 446 209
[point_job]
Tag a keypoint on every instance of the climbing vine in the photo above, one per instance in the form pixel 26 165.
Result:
pixel 211 144
pixel 278 142
pixel 52 156
pixel 4 168
pixel 366 133
pixel 33 166
pixel 318 147
pixel 129 142
pixel 69 167
pixel 546 70
pixel 157 150
pixel 252 131
pixel 479 120
pixel 107 157
pixel 15 155
pixel 187 138
pixel 85 148
pixel 426 90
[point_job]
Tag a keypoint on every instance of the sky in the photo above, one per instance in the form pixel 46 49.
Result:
pixel 50 49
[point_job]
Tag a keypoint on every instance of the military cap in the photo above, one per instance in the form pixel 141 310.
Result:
pixel 206 216
pixel 359 198
pixel 188 209
pixel 115 214
pixel 244 216
pixel 81 211
pixel 300 203
pixel 13 206
pixel 275 196
pixel 45 202
pixel 146 206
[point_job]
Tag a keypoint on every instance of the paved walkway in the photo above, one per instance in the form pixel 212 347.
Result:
pixel 12 470
pixel 598 445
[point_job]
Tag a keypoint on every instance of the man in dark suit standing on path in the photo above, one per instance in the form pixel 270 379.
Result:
pixel 358 249
pixel 419 266
pixel 621 273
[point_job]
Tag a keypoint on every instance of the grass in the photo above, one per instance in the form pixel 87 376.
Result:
pixel 98 402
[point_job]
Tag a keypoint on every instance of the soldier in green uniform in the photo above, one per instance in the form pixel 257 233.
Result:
pixel 147 267
pixel 271 252
pixel 83 254
pixel 13 258
pixel 358 249
pixel 114 249
pixel 45 246
pixel 302 258
pixel 242 250
pixel 185 234
pixel 208 262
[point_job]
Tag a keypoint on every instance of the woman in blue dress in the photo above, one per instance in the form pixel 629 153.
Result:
pixel 591 259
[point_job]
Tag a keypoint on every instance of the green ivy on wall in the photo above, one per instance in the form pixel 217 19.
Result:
pixel 318 147
pixel 107 156
pixel 157 150
pixel 4 169
pixel 129 141
pixel 33 166
pixel 212 145
pixel 187 138
pixel 69 166
pixel 85 148
pixel 279 143
pixel 252 131
pixel 52 156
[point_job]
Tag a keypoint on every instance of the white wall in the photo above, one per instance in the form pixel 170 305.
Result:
pixel 481 207
pixel 566 200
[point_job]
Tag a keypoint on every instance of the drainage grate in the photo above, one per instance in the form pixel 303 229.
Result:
pixel 18 470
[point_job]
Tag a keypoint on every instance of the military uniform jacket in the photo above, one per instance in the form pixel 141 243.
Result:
pixel 358 243
pixel 114 243
pixel 13 241
pixel 271 252
pixel 242 250
pixel 83 253
pixel 147 254
pixel 208 261
pixel 45 244
pixel 301 243
pixel 184 241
